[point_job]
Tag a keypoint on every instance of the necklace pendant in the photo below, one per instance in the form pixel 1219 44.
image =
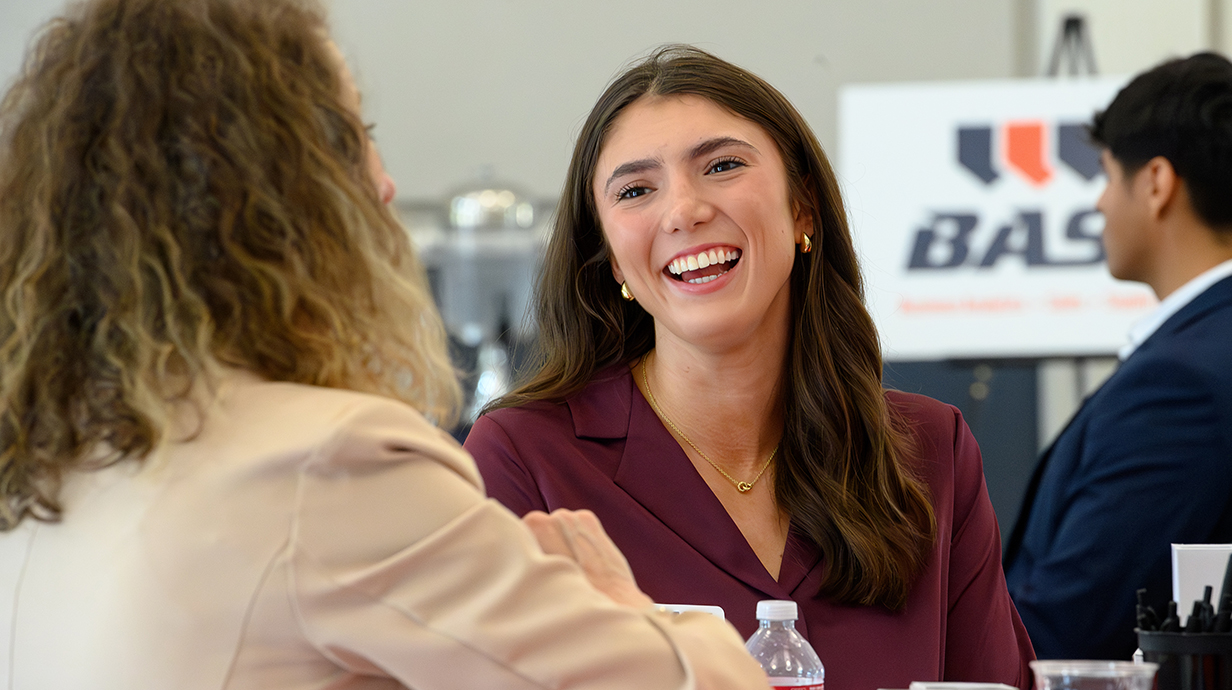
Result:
pixel 743 487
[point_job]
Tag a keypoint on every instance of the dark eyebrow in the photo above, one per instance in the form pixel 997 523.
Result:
pixel 632 168
pixel 711 145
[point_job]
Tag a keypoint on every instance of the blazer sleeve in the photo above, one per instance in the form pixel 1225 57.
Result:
pixel 402 568
pixel 505 476
pixel 984 638
pixel 1152 470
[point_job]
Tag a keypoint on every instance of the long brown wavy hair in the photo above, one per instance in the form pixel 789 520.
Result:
pixel 182 188
pixel 843 471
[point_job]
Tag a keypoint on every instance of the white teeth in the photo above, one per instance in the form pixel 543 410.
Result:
pixel 702 260
pixel 706 279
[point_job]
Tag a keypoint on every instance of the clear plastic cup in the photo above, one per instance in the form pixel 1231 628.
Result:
pixel 1093 675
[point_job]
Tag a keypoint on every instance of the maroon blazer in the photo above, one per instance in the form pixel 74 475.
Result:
pixel 606 450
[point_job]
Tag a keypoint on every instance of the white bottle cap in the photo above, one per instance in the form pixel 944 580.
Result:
pixel 777 610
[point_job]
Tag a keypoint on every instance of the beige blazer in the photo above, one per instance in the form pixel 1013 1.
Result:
pixel 318 538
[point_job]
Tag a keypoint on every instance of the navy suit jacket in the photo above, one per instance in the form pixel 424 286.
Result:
pixel 1146 462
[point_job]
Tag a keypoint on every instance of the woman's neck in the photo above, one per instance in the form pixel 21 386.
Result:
pixel 730 403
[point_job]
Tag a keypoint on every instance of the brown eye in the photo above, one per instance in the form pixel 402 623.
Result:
pixel 724 165
pixel 632 191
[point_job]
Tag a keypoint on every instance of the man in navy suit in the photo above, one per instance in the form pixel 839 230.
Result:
pixel 1147 460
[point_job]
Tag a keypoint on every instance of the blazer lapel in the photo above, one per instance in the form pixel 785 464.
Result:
pixel 1028 500
pixel 656 473
pixel 801 562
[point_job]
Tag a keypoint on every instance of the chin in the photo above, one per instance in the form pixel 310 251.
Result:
pixel 1120 271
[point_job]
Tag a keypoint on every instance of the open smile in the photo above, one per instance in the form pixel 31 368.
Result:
pixel 703 266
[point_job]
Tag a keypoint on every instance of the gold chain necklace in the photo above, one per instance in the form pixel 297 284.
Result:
pixel 742 487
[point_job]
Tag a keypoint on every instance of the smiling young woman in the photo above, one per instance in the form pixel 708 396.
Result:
pixel 710 385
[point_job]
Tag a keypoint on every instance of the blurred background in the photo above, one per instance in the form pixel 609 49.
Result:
pixel 477 102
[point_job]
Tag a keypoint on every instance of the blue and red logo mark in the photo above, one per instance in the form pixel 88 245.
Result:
pixel 961 238
pixel 1024 148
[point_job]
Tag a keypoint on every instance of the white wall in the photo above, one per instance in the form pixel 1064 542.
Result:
pixel 472 86
pixel 467 87
pixel 1221 15
pixel 18 21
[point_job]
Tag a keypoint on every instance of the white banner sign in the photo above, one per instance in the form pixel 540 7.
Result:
pixel 973 210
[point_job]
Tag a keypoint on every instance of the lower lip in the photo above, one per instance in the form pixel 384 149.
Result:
pixel 704 288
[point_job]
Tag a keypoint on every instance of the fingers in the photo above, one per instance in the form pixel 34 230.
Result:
pixel 573 533
pixel 548 533
pixel 579 536
pixel 591 545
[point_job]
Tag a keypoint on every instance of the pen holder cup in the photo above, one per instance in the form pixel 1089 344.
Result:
pixel 1189 661
pixel 1092 675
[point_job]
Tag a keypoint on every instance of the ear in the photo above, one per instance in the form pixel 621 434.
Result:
pixel 616 272
pixel 803 223
pixel 1160 185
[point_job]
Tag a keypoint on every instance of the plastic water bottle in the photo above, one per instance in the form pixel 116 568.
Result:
pixel 783 653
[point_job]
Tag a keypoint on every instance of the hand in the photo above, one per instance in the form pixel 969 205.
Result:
pixel 578 536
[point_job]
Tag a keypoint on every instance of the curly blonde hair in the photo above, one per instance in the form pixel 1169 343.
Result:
pixel 183 187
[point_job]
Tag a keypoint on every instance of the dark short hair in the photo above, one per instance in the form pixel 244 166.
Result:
pixel 1181 110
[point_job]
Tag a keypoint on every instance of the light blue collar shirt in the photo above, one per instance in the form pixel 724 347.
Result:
pixel 1173 303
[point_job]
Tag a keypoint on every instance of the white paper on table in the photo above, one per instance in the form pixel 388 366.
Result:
pixel 1194 567
pixel 949 685
pixel 716 611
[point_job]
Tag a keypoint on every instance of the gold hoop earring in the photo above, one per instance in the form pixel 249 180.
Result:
pixel 624 292
pixel 806 246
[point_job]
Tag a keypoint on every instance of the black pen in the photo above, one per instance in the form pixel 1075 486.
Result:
pixel 1223 619
pixel 1171 622
pixel 1208 612
pixel 1194 624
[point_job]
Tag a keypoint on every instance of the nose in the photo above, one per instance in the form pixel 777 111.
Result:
pixel 385 188
pixel 687 205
